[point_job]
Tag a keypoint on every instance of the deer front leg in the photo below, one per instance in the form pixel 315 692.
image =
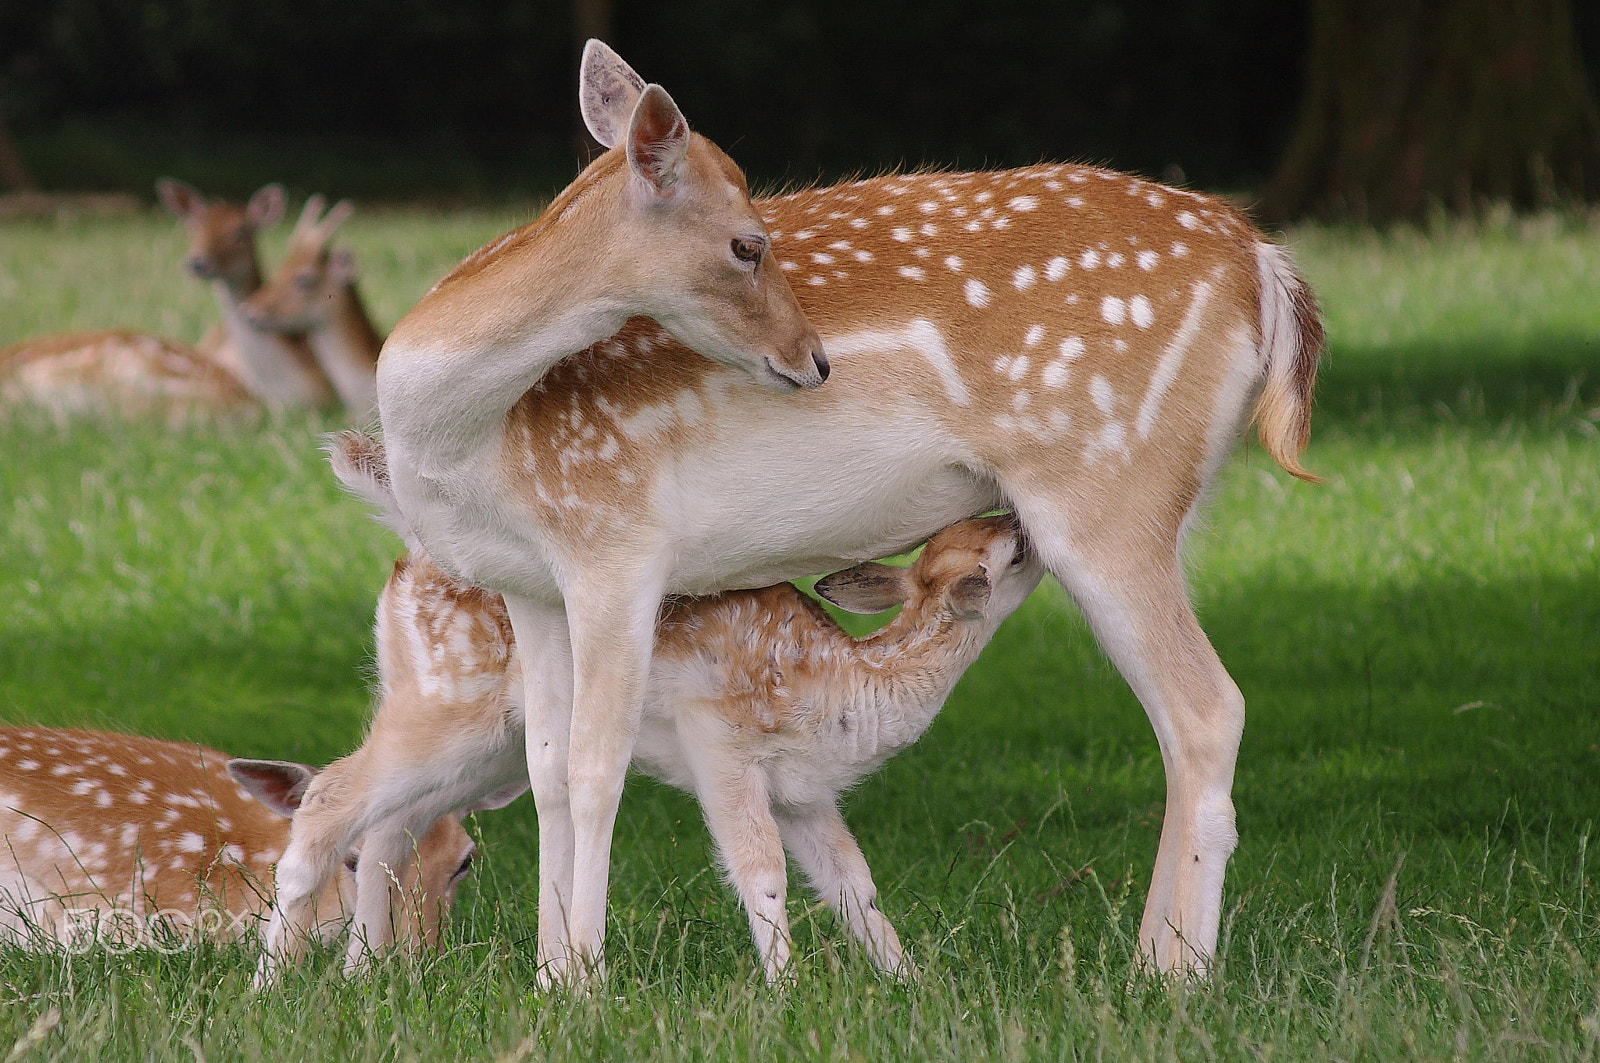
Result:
pixel 545 654
pixel 611 631
pixel 827 852
pixel 738 812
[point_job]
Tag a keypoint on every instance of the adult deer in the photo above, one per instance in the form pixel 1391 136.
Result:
pixel 139 841
pixel 313 294
pixel 1080 344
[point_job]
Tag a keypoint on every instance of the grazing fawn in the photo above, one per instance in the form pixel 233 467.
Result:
pixel 1083 346
pixel 313 293
pixel 757 703
pixel 129 840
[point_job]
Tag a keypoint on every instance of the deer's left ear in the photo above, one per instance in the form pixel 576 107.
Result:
pixel 278 784
pixel 342 266
pixel 658 139
pixel 608 89
pixel 265 208
pixel 969 595
pixel 867 588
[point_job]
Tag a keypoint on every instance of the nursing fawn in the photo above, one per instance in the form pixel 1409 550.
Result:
pixel 757 703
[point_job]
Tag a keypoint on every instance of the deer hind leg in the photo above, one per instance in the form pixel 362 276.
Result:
pixel 1130 588
pixel 820 842
pixel 738 812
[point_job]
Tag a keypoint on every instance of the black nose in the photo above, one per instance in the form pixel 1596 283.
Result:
pixel 200 268
pixel 823 369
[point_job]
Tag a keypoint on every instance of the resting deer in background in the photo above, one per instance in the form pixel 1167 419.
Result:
pixel 757 703
pixel 313 294
pixel 234 368
pixel 278 370
pixel 1081 345
pixel 135 840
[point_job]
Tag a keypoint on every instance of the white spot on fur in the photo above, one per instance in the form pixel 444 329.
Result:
pixel 911 272
pixel 1034 335
pixel 1147 260
pixel 900 234
pixel 1105 399
pixel 1090 259
pixel 1139 311
pixel 1019 368
pixel 1112 310
pixel 1024 278
pixel 1179 249
pixel 1187 220
pixel 977 293
pixel 953 263
pixel 1023 204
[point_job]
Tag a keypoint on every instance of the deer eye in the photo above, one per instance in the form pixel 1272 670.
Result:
pixel 466 865
pixel 748 249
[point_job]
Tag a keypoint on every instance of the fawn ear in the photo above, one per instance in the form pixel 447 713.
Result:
pixel 969 595
pixel 498 798
pixel 181 200
pixel 608 89
pixel 658 139
pixel 868 588
pixel 278 784
pixel 265 208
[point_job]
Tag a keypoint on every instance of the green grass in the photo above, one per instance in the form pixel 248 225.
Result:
pixel 1418 640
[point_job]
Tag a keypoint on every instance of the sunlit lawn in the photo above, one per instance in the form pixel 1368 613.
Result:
pixel 1418 639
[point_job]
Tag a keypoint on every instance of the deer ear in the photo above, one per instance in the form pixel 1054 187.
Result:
pixel 608 89
pixel 265 208
pixel 342 266
pixel 658 139
pixel 278 784
pixel 868 588
pixel 181 200
pixel 498 798
pixel 969 595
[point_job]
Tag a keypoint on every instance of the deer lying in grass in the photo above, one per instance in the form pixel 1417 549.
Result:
pixel 234 368
pixel 1081 345
pixel 757 703
pixel 313 293
pixel 127 840
pixel 278 370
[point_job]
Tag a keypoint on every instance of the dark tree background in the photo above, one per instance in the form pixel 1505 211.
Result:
pixel 1449 101
pixel 418 97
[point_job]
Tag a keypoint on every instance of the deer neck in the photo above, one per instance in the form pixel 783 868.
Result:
pixel 492 328
pixel 904 673
pixel 346 347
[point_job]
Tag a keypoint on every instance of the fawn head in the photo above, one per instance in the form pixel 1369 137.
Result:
pixel 696 251
pixel 975 570
pixel 300 293
pixel 222 235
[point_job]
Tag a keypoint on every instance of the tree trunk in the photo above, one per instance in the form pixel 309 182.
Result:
pixel 13 172
pixel 1456 102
